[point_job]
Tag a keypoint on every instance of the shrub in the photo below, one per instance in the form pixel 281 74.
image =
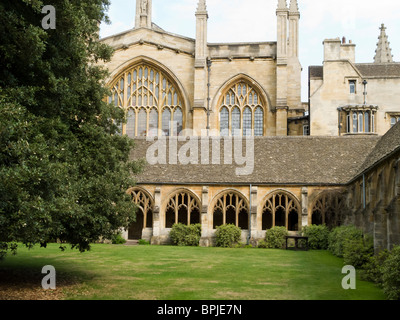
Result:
pixel 184 235
pixel 262 244
pixel 228 235
pixel 358 252
pixel 117 239
pixel 339 236
pixel 391 275
pixel 143 242
pixel 275 238
pixel 373 268
pixel 317 236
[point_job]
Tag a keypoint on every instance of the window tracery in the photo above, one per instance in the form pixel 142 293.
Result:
pixel 182 207
pixel 152 102
pixel 231 208
pixel 281 210
pixel 241 111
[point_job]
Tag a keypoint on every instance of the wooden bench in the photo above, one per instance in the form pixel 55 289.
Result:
pixel 296 241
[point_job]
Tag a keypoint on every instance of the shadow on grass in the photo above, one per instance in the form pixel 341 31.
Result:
pixel 25 283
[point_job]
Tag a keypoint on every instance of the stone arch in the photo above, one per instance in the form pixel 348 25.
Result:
pixel 182 206
pixel 144 213
pixel 281 208
pixel 248 106
pixel 230 207
pixel 160 95
pixel 328 208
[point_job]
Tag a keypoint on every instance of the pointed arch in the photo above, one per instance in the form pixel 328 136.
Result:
pixel 328 208
pixel 247 104
pixel 230 207
pixel 145 84
pixel 182 206
pixel 281 208
pixel 144 213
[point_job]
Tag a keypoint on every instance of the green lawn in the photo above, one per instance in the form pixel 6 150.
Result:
pixel 190 273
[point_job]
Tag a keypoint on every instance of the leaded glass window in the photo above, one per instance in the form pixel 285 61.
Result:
pixel 145 92
pixel 241 111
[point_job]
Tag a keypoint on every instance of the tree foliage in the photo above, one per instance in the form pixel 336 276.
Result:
pixel 64 169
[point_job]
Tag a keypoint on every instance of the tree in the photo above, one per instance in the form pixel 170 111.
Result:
pixel 64 169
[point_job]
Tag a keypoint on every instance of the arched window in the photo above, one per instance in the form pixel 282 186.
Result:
pixel 328 209
pixel 224 121
pixel 166 122
pixel 148 92
pixel 281 210
pixel 182 207
pixel 241 111
pixel 231 208
pixel 131 123
pixel 144 213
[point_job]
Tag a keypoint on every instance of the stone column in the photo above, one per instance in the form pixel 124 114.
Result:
pixel 253 212
pixel 205 240
pixel 155 239
pixel 304 206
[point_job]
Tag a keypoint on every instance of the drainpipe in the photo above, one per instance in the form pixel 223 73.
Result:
pixel 249 226
pixel 208 94
pixel 364 193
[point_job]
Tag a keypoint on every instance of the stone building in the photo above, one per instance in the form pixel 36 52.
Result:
pixel 167 83
pixel 354 98
pixel 221 127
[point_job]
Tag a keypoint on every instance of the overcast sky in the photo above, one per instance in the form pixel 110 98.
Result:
pixel 255 20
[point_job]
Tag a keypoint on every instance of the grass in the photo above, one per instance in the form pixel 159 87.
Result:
pixel 189 273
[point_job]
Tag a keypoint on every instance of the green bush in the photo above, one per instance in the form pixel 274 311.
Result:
pixel 117 239
pixel 262 244
pixel 143 242
pixel 372 270
pixel 391 275
pixel 358 252
pixel 317 236
pixel 184 235
pixel 341 235
pixel 275 238
pixel 228 235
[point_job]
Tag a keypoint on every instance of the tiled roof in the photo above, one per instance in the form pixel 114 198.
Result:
pixel 316 72
pixel 277 160
pixel 380 70
pixel 367 70
pixel 388 144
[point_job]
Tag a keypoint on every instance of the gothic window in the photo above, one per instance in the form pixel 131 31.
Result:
pixel 241 111
pixel 281 210
pixel 247 120
pixel 130 123
pixel 231 208
pixel 144 213
pixel 182 207
pixel 145 92
pixel 178 120
pixel 236 121
pixel 224 121
pixel 166 122
pixel 328 209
